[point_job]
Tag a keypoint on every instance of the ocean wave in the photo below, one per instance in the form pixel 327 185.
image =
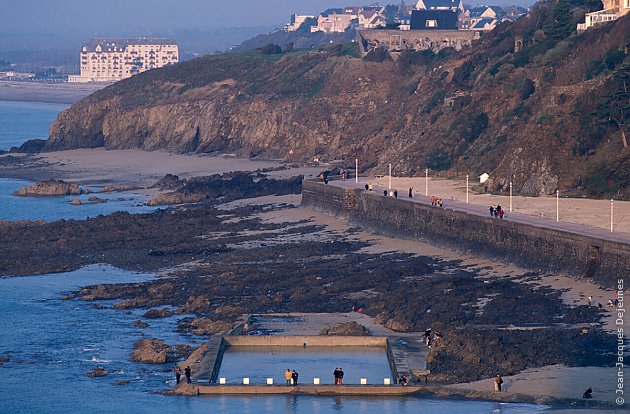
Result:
pixel 100 361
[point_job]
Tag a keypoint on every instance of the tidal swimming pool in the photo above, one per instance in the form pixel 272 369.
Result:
pixel 261 362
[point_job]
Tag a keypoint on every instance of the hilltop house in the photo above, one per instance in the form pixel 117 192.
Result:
pixel 453 5
pixel 296 22
pixel 613 9
pixel 371 20
pixel 434 20
pixel 483 18
pixel 338 20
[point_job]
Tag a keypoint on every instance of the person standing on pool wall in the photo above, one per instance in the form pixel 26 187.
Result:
pixel 288 376
pixel 294 376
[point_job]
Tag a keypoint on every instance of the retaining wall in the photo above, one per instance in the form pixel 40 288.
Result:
pixel 528 246
pixel 323 340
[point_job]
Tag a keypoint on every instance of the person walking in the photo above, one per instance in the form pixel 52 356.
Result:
pixel 187 373
pixel 178 374
pixel 294 377
pixel 395 193
pixel 590 300
pixel 501 214
pixel 491 211
pixel 287 376
pixel 498 383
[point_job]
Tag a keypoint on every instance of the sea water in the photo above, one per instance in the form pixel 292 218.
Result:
pixel 21 121
pixel 53 343
pixel 14 208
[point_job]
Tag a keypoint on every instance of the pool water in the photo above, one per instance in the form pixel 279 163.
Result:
pixel 261 362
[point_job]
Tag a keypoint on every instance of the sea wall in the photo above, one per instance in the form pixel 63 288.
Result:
pixel 297 340
pixel 530 247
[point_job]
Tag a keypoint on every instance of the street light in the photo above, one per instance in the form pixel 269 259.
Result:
pixel 356 170
pixel 557 205
pixel 612 211
pixel 510 196
pixel 466 188
pixel 426 182
pixel 390 175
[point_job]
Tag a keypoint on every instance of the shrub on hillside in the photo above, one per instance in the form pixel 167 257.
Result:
pixel 271 49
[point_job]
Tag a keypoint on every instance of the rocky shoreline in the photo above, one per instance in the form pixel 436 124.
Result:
pixel 225 262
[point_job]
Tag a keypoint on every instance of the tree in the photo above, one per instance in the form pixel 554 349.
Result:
pixel 563 24
pixel 616 107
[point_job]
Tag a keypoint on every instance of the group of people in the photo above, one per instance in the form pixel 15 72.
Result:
pixel 431 336
pixel 496 211
pixel 338 374
pixel 178 374
pixel 436 201
pixel 291 377
pixel 395 193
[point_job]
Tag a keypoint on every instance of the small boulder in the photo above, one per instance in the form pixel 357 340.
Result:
pixel 140 324
pixel 158 313
pixel 150 351
pixel 347 329
pixel 97 372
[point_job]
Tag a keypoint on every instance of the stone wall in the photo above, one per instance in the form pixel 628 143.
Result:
pixel 398 40
pixel 297 340
pixel 530 247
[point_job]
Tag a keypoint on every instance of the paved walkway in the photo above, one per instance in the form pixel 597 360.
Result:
pixel 484 211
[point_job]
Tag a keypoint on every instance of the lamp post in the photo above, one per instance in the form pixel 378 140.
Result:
pixel 557 205
pixel 612 211
pixel 390 175
pixel 426 182
pixel 356 170
pixel 510 196
pixel 466 188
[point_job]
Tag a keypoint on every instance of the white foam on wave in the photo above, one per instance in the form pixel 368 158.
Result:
pixel 100 361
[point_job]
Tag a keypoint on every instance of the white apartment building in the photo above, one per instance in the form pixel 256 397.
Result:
pixel 110 60
pixel 613 9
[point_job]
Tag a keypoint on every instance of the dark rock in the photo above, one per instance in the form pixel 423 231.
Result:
pixel 50 188
pixel 140 324
pixel 97 372
pixel 32 146
pixel 119 382
pixel 5 358
pixel 169 182
pixel 346 328
pixel 158 313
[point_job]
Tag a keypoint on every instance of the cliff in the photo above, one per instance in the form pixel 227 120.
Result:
pixel 532 102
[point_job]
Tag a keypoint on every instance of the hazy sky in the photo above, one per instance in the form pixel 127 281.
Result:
pixel 36 16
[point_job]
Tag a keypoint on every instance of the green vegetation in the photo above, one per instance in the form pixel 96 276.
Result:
pixel 438 160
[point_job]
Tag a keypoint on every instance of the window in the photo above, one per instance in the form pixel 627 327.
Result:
pixel 431 23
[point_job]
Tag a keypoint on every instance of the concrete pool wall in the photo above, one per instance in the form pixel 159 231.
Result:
pixel 219 345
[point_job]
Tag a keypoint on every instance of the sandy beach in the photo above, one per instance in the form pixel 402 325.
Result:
pixel 136 167
pixel 541 384
pixel 65 93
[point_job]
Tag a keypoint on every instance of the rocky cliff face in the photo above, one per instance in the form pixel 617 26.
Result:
pixel 541 116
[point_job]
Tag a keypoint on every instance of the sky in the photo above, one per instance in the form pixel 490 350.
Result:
pixel 35 16
pixel 49 32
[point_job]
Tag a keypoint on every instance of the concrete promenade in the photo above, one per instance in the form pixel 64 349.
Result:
pixel 480 210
